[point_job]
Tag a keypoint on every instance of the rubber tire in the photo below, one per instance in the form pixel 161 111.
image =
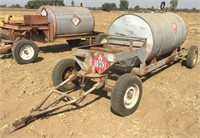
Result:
pixel 5 37
pixel 16 51
pixel 59 70
pixel 119 90
pixel 99 38
pixel 190 57
pixel 74 43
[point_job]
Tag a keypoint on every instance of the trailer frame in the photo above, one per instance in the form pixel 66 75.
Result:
pixel 84 56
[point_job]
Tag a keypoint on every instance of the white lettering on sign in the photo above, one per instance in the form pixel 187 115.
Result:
pixel 100 64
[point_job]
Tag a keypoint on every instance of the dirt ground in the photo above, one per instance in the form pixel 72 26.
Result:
pixel 170 106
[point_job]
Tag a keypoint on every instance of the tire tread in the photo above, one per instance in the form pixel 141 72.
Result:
pixel 17 47
pixel 59 70
pixel 118 94
pixel 190 55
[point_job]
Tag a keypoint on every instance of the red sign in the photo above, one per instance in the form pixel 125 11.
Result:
pixel 100 63
pixel 174 27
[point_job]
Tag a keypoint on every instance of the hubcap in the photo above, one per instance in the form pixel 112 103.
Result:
pixel 131 96
pixel 26 52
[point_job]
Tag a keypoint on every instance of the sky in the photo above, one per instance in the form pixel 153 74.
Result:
pixel 132 3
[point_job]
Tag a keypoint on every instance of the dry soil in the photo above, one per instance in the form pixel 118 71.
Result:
pixel 170 106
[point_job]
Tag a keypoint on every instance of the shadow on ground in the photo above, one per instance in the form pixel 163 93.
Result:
pixel 59 47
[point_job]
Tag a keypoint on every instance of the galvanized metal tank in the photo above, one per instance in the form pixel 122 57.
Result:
pixel 68 20
pixel 164 31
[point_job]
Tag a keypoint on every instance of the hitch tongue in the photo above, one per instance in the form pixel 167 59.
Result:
pixel 21 122
pixel 53 105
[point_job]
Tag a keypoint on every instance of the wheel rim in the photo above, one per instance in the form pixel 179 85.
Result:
pixel 26 52
pixel 195 58
pixel 66 75
pixel 131 96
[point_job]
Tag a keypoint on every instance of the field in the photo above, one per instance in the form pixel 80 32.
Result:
pixel 170 105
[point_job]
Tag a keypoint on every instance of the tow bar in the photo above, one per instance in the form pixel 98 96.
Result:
pixel 64 100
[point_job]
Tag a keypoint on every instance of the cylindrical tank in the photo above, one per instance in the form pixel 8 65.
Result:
pixel 164 31
pixel 68 20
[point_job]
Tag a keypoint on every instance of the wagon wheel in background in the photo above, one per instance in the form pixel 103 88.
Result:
pixel 126 94
pixel 162 6
pixel 25 51
pixel 62 71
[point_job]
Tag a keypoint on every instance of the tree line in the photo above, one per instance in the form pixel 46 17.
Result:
pixel 35 4
pixel 123 6
pixel 38 3
pixel 12 6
